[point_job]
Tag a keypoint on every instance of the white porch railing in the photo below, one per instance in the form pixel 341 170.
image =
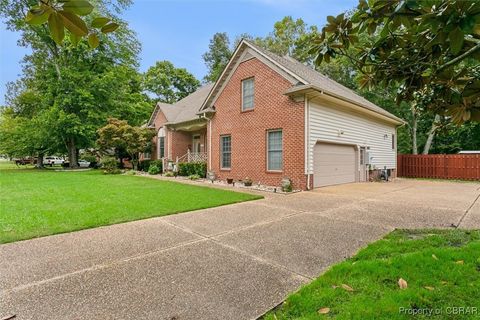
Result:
pixel 169 165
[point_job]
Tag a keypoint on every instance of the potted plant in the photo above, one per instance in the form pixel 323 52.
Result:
pixel 247 182
pixel 229 180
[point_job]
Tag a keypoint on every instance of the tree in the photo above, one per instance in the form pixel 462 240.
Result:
pixel 119 135
pixel 169 84
pixel 289 37
pixel 217 57
pixel 81 87
pixel 427 48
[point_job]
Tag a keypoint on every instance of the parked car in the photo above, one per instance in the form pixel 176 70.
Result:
pixel 51 161
pixel 83 164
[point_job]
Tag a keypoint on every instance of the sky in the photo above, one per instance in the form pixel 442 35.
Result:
pixel 180 30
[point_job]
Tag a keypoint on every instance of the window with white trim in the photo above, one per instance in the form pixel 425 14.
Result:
pixel 225 152
pixel 161 147
pixel 247 94
pixel 274 150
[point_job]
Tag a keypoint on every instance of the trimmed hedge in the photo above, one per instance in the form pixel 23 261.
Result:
pixel 192 168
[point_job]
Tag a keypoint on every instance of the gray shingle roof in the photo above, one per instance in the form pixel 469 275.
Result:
pixel 185 109
pixel 313 77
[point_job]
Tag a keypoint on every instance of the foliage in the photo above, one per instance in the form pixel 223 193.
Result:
pixel 60 15
pixel 430 49
pixel 144 165
pixel 169 174
pixel 192 168
pixel 169 84
pixel 88 199
pixel 73 84
pixel 217 57
pixel 153 169
pixel 118 134
pixel 289 37
pixel 440 268
pixel 110 165
pixel 194 177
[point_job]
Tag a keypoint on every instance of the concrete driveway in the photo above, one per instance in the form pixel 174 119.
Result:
pixel 231 262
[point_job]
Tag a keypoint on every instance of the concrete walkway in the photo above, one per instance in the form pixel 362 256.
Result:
pixel 231 262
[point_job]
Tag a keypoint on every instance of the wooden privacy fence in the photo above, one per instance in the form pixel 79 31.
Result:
pixel 440 166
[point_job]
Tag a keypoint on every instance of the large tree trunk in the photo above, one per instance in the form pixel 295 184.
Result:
pixel 431 134
pixel 72 153
pixel 414 132
pixel 40 160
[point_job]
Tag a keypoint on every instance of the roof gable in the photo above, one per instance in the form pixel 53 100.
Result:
pixel 302 74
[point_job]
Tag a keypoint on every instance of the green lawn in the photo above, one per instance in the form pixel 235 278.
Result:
pixel 442 270
pixel 35 203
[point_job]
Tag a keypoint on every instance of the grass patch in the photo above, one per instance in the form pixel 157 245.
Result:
pixel 35 203
pixel 441 267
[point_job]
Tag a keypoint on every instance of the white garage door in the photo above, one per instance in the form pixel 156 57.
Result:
pixel 333 164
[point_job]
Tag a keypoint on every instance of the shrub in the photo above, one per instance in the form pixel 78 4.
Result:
pixel 192 168
pixel 144 165
pixel 153 169
pixel 130 172
pixel 157 163
pixel 194 177
pixel 110 165
pixel 169 174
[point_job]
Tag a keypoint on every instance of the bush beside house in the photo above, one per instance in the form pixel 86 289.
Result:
pixel 192 168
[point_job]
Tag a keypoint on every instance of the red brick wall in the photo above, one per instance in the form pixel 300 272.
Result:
pixel 273 110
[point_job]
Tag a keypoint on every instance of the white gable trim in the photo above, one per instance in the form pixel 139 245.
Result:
pixel 238 57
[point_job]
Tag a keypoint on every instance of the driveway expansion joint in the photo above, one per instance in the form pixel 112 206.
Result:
pixel 467 211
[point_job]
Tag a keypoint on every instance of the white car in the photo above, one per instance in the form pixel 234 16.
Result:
pixel 83 164
pixel 52 160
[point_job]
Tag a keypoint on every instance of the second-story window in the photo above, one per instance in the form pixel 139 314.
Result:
pixel 247 94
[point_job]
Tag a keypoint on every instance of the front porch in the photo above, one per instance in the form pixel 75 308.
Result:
pixel 184 142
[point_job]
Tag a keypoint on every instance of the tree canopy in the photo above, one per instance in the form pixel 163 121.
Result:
pixel 169 84
pixel 429 49
pixel 217 56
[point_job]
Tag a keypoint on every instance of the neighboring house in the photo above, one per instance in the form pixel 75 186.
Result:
pixel 269 117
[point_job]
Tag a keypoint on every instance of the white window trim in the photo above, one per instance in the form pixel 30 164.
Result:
pixel 221 152
pixel 253 94
pixel 268 151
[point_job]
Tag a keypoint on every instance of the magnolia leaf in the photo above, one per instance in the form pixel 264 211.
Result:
pixel 434 257
pixel 461 261
pixel 402 284
pixel 80 7
pixel 347 287
pixel 55 24
pixel 93 41
pixel 38 16
pixel 73 23
pixel 109 27
pixel 74 39
pixel 100 22
pixel 456 40
pixel 476 29
pixel 323 310
pixel 331 19
pixel 429 288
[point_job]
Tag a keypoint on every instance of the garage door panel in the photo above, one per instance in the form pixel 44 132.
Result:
pixel 333 164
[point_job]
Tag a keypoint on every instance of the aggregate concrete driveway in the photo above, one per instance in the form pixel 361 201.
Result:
pixel 231 262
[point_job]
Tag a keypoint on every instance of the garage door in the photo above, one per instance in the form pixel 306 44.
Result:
pixel 333 164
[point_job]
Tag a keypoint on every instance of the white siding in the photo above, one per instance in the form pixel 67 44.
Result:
pixel 326 124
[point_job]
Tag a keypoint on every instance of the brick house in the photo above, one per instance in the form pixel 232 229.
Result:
pixel 269 117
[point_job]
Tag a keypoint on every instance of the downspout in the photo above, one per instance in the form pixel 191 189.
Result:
pixel 307 142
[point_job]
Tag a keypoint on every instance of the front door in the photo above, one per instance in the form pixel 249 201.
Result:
pixel 196 144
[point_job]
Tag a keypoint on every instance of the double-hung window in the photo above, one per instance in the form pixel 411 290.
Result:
pixel 225 152
pixel 161 147
pixel 274 150
pixel 247 94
